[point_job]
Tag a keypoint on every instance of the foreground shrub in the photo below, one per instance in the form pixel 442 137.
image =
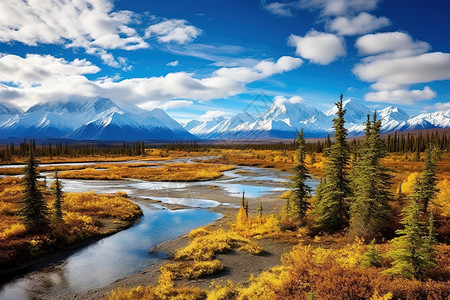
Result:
pixel 165 289
pixel 205 245
pixel 192 269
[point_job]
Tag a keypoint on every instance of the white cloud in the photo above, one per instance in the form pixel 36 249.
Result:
pixel 280 9
pixel 362 23
pixel 37 78
pixel 402 96
pixel 261 70
pixel 283 64
pixel 278 100
pixel 439 106
pixel 89 24
pixel 175 104
pixel 398 73
pixel 319 47
pixel 212 114
pixel 339 7
pixel 397 42
pixel 173 30
pixel 173 63
pixel 395 62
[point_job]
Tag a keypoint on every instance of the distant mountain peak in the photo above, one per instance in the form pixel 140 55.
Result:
pixel 286 116
pixel 10 109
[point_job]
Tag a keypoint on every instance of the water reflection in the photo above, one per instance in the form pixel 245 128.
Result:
pixel 114 257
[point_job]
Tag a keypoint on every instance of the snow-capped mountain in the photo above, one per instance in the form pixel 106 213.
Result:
pixel 93 119
pixel 287 116
pixel 439 119
pixel 8 112
pixel 9 109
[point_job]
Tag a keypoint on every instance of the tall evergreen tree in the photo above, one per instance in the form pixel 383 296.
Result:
pixel 57 215
pixel 429 179
pixel 301 193
pixel 331 205
pixel 370 209
pixel 414 247
pixel 33 210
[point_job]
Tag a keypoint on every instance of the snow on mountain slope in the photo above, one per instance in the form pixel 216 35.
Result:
pixel 355 112
pixel 286 116
pixel 8 113
pixel 9 109
pixel 96 118
pixel 436 119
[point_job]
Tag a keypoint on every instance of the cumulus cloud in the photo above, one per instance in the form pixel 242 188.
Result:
pixel 395 73
pixel 173 63
pixel 339 7
pixel 37 78
pixel 174 30
pixel 211 115
pixel 278 100
pixel 89 24
pixel 401 96
pixel 400 43
pixel 395 62
pixel 319 47
pixel 362 23
pixel 261 70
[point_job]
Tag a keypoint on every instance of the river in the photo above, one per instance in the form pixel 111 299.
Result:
pixel 126 252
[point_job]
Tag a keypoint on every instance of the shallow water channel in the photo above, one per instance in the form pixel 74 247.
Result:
pixel 126 252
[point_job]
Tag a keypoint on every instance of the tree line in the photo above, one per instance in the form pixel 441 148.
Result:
pixel 396 143
pixel 60 149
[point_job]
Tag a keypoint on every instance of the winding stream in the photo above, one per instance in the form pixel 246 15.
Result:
pixel 126 252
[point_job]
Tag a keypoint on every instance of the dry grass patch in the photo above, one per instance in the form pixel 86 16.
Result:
pixel 193 269
pixel 169 172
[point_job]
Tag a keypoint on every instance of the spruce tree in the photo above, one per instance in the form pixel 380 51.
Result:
pixel 260 211
pixel 33 210
pixel 429 179
pixel 413 252
pixel 372 257
pixel 370 210
pixel 331 205
pixel 300 191
pixel 312 159
pixel 57 215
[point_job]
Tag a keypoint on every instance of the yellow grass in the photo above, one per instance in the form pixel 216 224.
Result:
pixel 169 172
pixel 192 269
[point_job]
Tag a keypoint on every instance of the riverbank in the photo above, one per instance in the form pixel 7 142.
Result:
pixel 87 217
pixel 46 260
pixel 239 265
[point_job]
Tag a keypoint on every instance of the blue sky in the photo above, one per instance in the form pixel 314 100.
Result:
pixel 200 57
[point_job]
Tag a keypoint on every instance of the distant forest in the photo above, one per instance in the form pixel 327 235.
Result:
pixel 396 142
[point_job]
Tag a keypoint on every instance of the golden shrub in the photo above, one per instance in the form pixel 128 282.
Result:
pixel 408 184
pixel 252 248
pixel 13 230
pixel 441 203
pixel 192 269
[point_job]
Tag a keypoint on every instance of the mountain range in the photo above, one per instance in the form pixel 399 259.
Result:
pixel 102 119
pixel 89 119
pixel 287 116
